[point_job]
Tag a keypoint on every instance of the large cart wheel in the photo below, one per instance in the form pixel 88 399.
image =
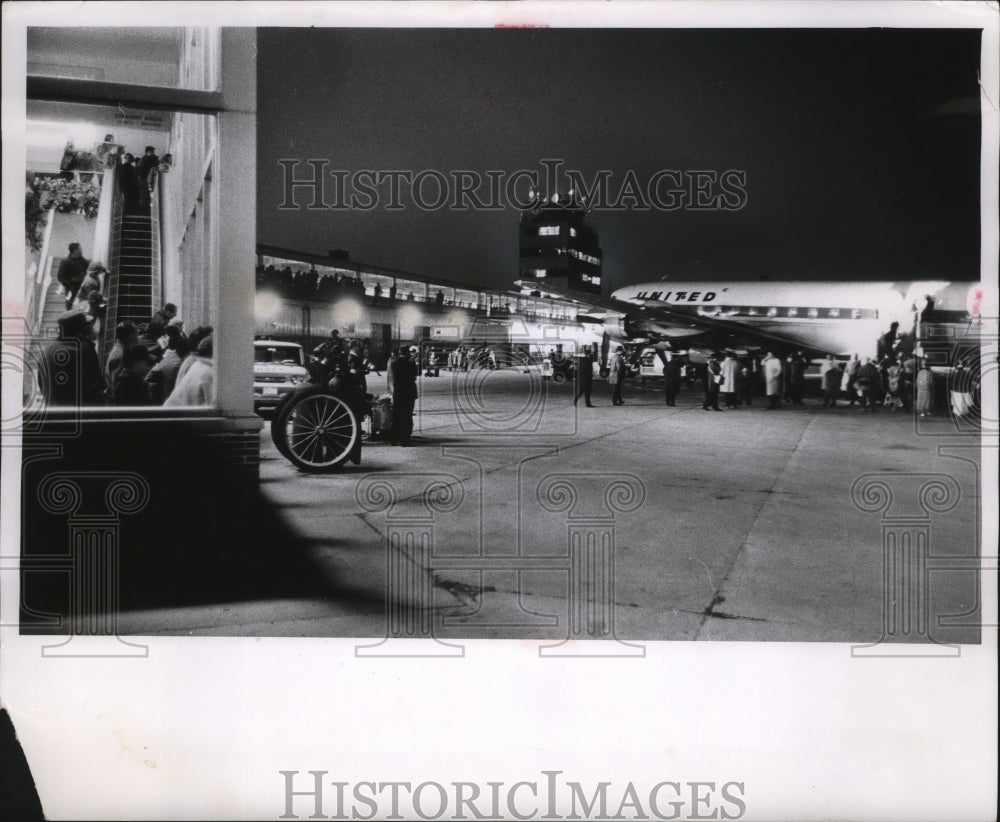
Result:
pixel 280 414
pixel 321 432
pixel 278 417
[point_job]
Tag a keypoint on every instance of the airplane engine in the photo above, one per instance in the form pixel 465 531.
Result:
pixel 624 328
pixel 637 328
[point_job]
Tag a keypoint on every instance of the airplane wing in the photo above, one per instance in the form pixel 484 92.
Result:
pixel 657 321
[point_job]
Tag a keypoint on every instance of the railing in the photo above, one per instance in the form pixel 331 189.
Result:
pixel 105 216
pixel 111 278
pixel 155 241
pixel 39 287
pixel 77 175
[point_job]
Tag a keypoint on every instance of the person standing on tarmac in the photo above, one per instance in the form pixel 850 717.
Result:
pixel 851 371
pixel 869 385
pixel 713 379
pixel 730 369
pixel 403 387
pixel 830 376
pixel 616 375
pixel 772 377
pixel 584 376
pixel 925 391
pixel 671 379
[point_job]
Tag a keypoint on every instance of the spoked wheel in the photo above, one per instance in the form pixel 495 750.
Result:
pixel 278 417
pixel 320 432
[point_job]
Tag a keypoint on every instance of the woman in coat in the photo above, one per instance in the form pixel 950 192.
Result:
pixel 730 380
pixel 772 379
pixel 925 391
pixel 869 385
pixel 831 377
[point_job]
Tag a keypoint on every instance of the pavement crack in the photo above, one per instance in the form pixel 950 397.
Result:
pixel 717 598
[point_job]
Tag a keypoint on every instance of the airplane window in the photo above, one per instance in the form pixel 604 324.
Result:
pixel 793 312
pixel 813 312
pixel 772 312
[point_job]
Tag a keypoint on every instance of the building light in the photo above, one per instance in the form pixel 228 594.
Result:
pixel 266 305
pixel 541 272
pixel 587 258
pixel 410 316
pixel 548 231
pixel 346 312
pixel 572 231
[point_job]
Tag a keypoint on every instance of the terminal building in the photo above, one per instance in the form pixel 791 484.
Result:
pixel 187 96
pixel 301 297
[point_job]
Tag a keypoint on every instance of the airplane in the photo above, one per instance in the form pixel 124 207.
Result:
pixel 818 318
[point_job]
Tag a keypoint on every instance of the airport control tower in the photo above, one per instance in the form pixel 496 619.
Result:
pixel 557 247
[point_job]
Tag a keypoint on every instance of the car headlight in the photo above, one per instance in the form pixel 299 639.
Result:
pixel 297 378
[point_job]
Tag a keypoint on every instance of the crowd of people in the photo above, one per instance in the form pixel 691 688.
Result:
pixel 136 178
pixel 894 382
pixel 152 364
pixel 309 285
pixel 297 284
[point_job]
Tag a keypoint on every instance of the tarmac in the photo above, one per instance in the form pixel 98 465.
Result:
pixel 515 514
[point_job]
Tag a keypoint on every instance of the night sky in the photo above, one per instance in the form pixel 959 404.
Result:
pixel 861 148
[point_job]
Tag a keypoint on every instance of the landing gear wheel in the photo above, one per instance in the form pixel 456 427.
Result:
pixel 320 431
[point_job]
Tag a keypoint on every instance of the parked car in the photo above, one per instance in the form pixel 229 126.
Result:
pixel 650 365
pixel 277 368
pixel 563 368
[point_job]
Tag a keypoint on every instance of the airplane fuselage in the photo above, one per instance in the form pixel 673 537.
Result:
pixel 836 317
